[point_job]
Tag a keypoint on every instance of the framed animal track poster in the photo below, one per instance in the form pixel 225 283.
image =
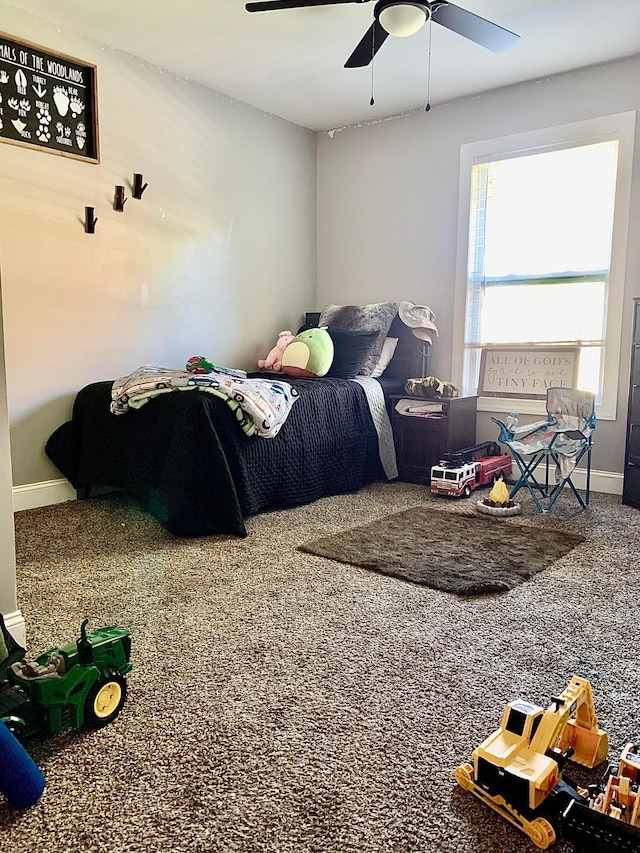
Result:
pixel 48 100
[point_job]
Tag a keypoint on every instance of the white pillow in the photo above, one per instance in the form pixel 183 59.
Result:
pixel 388 349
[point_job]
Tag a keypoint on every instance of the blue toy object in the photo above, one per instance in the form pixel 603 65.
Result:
pixel 21 780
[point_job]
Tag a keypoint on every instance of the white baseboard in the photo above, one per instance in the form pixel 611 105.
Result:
pixel 42 494
pixel 58 491
pixel 601 481
pixel 16 627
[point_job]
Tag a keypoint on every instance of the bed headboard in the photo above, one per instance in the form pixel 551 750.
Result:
pixel 402 364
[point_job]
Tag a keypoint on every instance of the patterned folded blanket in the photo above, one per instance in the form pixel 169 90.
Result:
pixel 260 405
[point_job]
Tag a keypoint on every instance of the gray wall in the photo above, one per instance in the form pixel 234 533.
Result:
pixel 216 258
pixel 388 206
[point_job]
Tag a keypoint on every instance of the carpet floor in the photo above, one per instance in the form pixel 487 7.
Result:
pixel 285 703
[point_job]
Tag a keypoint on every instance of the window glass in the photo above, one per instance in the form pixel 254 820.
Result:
pixel 516 721
pixel 578 312
pixel 551 211
pixel 536 722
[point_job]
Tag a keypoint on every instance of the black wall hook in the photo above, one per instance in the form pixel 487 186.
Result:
pixel 90 220
pixel 120 200
pixel 138 186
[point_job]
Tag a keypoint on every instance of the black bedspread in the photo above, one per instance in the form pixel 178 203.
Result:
pixel 184 456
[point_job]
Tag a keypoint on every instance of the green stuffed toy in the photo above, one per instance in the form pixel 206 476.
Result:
pixel 309 354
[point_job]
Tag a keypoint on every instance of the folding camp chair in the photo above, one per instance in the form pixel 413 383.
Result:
pixel 555 445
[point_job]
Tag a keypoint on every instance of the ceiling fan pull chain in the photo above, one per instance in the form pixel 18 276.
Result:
pixel 428 107
pixel 373 53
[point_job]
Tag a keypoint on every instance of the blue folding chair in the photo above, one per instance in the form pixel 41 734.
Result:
pixel 556 444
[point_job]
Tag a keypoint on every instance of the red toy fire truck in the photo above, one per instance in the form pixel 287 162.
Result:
pixel 461 472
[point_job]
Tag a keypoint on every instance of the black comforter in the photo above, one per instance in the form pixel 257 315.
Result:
pixel 184 456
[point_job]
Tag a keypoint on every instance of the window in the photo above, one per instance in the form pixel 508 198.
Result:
pixel 541 253
pixel 516 722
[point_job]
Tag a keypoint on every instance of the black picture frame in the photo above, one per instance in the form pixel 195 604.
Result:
pixel 49 100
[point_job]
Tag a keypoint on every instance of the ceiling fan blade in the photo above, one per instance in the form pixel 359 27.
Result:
pixel 272 5
pixel 474 27
pixel 369 45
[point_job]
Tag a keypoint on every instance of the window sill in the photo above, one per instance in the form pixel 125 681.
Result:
pixel 527 407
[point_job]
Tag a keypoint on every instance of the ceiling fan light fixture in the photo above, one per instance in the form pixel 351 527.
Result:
pixel 403 19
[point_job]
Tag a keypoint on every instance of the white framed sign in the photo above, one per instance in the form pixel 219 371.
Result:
pixel 526 371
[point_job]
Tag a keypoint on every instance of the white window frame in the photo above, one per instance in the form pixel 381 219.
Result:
pixel 621 125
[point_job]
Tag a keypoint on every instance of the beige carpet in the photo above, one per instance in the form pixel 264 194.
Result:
pixel 465 554
pixel 286 703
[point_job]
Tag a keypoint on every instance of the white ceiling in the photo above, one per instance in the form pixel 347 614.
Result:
pixel 290 62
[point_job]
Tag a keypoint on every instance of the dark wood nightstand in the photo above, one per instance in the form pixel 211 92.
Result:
pixel 421 441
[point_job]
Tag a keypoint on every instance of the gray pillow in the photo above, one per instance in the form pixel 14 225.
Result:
pixel 376 317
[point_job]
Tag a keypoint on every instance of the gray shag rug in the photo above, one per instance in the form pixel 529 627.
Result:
pixel 467 555
pixel 285 703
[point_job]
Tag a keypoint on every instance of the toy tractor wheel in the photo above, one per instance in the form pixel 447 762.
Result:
pixel 541 833
pixel 15 725
pixel 464 776
pixel 105 699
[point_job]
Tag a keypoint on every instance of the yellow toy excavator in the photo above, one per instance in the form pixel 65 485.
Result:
pixel 517 770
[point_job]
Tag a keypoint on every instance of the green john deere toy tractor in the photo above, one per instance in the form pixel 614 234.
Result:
pixel 82 683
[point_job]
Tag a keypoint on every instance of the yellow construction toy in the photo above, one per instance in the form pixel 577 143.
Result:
pixel 517 770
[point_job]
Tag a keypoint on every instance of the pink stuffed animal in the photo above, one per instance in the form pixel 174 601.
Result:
pixel 273 362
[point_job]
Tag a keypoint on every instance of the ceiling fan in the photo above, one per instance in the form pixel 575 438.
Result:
pixel 404 18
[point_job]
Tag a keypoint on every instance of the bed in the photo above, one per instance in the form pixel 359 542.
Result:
pixel 185 459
